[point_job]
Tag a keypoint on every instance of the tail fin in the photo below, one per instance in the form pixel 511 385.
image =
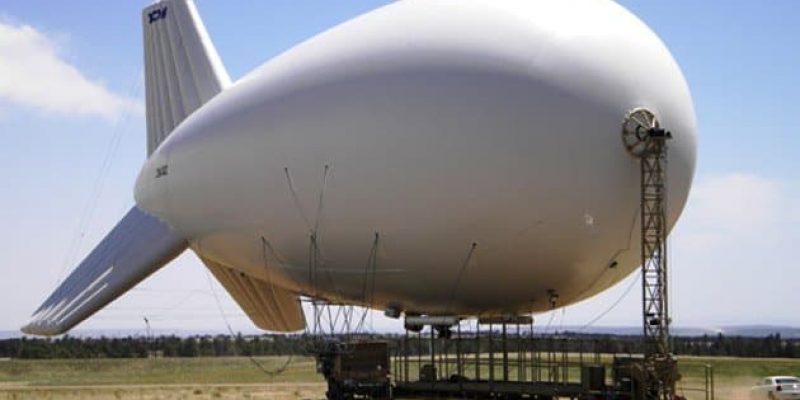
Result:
pixel 182 72
pixel 138 246
pixel 182 67
pixel 270 307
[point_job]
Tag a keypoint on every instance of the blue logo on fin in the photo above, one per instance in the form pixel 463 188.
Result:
pixel 156 15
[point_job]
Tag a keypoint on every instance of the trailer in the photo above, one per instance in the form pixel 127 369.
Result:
pixel 357 369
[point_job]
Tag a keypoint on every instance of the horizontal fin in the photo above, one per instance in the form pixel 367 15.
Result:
pixel 137 246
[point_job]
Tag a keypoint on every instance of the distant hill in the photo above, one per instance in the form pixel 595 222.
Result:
pixel 115 333
pixel 786 332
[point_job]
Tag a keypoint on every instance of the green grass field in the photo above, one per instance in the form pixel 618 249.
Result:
pixel 227 370
pixel 237 377
pixel 734 376
pixel 166 378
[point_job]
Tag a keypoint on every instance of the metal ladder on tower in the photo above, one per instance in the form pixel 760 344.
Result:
pixel 645 139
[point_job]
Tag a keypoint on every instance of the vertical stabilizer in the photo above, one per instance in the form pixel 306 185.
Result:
pixel 182 67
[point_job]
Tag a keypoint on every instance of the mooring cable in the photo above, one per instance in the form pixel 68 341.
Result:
pixel 296 199
pixel 98 186
pixel 264 245
pixel 252 359
pixel 615 303
pixel 369 293
pixel 460 275
pixel 320 203
pixel 549 321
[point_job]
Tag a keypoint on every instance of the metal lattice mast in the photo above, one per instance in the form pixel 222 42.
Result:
pixel 658 357
pixel 644 139
pixel 654 246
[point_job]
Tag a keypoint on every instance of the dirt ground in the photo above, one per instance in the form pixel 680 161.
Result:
pixel 237 378
pixel 278 391
pixel 736 389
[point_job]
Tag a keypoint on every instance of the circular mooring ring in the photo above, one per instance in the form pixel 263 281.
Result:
pixel 635 127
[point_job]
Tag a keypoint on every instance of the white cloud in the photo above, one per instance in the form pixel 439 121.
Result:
pixel 736 205
pixel 733 251
pixel 33 74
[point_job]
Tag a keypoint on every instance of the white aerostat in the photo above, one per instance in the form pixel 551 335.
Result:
pixel 465 157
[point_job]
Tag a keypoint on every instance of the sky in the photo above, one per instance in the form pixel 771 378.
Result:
pixel 73 134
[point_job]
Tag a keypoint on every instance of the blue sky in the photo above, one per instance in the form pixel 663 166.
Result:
pixel 73 141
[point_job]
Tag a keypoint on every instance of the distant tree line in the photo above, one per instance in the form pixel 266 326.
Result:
pixel 738 346
pixel 772 346
pixel 142 347
pixel 264 345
